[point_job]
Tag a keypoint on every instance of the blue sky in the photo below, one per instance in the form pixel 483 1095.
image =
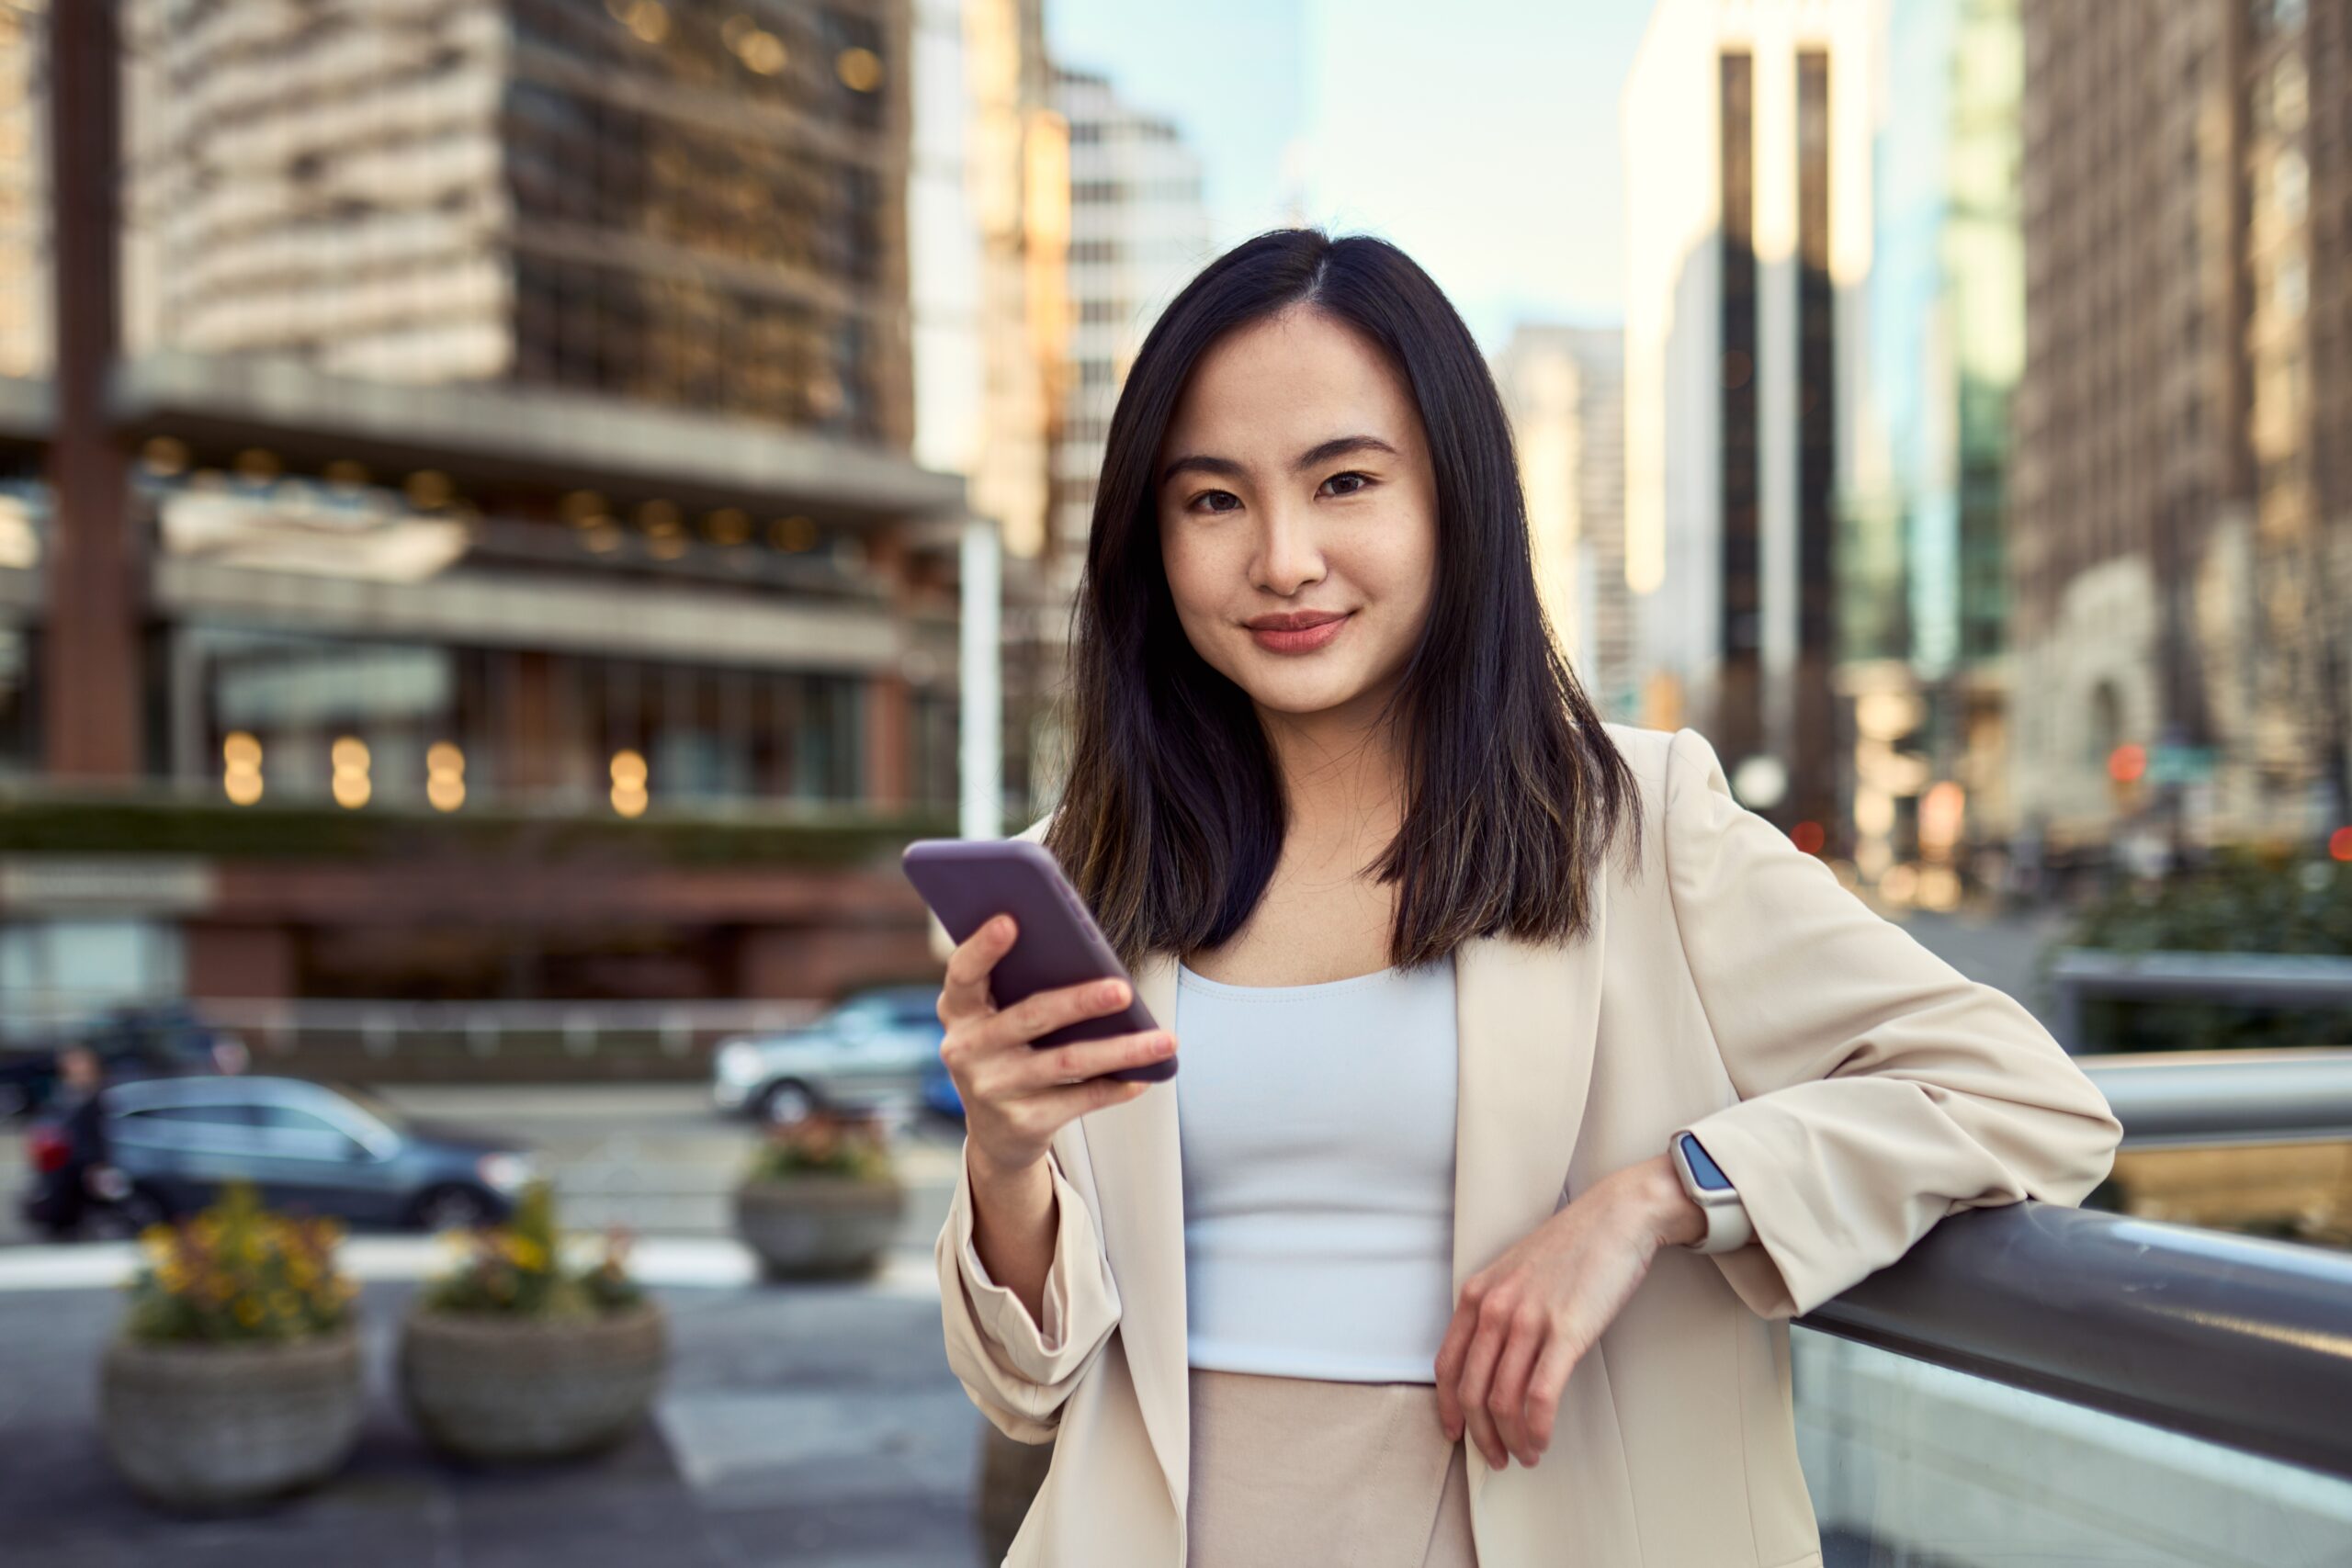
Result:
pixel 1480 135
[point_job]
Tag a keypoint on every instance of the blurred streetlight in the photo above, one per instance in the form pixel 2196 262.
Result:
pixel 1761 781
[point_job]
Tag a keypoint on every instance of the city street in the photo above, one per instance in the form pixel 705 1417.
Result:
pixel 802 1424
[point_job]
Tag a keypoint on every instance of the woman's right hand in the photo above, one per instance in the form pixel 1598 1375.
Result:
pixel 1015 1096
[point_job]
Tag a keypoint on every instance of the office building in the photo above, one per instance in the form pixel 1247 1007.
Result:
pixel 1922 569
pixel 692 204
pixel 518 404
pixel 1564 389
pixel 2294 84
pixel 1137 233
pixel 1747 134
pixel 2180 564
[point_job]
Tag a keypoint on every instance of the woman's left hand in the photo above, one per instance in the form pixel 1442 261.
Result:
pixel 1525 1319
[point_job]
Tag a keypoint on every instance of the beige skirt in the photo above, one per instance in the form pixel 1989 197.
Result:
pixel 1292 1473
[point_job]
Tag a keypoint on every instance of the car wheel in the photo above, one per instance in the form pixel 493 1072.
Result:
pixel 454 1209
pixel 783 1103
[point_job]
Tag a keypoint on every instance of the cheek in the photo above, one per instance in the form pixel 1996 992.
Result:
pixel 1399 563
pixel 1197 580
pixel 1204 567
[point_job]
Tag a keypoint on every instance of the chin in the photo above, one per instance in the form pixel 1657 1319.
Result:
pixel 1299 693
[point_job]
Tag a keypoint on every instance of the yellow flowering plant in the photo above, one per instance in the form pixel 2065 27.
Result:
pixel 516 1269
pixel 237 1273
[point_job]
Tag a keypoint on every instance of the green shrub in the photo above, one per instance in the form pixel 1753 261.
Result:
pixel 2244 901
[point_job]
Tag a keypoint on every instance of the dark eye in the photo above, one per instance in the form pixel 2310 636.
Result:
pixel 1346 484
pixel 1216 501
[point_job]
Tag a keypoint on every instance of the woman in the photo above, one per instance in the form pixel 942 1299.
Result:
pixel 1415 1279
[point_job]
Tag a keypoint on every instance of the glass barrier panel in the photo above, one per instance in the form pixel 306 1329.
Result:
pixel 1916 1466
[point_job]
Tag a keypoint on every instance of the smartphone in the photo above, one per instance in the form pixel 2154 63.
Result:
pixel 968 882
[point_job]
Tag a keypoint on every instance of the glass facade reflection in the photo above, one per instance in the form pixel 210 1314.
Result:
pixel 674 201
pixel 522 727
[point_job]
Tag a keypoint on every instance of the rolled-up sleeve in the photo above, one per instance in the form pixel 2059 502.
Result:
pixel 1017 1369
pixel 1879 1088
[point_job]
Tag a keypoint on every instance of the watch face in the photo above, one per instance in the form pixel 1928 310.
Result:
pixel 1705 1171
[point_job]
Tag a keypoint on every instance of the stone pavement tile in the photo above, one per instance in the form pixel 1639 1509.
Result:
pixel 821 1424
pixel 857 1532
pixel 633 1528
pixel 217 1545
pixel 866 1441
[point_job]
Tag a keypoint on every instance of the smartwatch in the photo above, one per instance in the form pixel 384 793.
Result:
pixel 1727 1224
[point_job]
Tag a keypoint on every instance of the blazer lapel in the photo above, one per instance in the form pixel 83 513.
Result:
pixel 1525 1021
pixel 1139 1179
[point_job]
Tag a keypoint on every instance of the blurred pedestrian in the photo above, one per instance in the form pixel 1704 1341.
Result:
pixel 88 1178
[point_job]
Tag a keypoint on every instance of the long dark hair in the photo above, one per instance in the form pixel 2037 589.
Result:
pixel 1173 815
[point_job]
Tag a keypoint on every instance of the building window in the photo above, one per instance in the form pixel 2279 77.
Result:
pixel 516 725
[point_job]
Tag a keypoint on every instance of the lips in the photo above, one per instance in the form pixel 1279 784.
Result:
pixel 1298 631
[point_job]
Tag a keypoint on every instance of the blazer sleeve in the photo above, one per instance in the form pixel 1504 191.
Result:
pixel 1016 1370
pixel 1879 1088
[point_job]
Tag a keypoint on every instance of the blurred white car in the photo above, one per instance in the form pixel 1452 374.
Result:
pixel 867 1055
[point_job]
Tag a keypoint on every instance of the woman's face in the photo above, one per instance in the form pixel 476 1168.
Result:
pixel 1298 516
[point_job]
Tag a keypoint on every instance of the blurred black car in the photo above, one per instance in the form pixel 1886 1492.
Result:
pixel 167 1040
pixel 309 1149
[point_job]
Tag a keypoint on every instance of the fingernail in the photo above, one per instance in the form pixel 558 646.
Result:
pixel 1113 993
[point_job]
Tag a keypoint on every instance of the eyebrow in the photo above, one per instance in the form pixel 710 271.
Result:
pixel 1322 452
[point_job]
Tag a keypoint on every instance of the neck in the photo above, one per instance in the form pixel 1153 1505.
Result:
pixel 1343 779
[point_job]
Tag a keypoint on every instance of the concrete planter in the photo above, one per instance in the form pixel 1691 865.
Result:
pixel 818 1227
pixel 200 1427
pixel 482 1387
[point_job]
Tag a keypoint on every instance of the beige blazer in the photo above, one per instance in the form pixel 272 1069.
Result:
pixel 1854 1088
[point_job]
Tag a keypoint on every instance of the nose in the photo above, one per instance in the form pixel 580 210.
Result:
pixel 1288 557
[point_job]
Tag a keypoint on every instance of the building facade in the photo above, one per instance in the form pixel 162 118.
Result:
pixel 688 204
pixel 2130 459
pixel 1136 232
pixel 1565 391
pixel 1747 135
pixel 1923 567
pixel 2178 554
pixel 1139 232
pixel 527 562
pixel 2295 83
pixel 988 219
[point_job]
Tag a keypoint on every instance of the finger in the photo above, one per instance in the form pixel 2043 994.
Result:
pixel 1544 1386
pixel 1091 1058
pixel 1507 1401
pixel 1048 1011
pixel 1450 1353
pixel 965 993
pixel 1477 1377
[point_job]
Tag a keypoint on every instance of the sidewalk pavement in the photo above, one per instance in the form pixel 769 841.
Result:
pixel 816 1426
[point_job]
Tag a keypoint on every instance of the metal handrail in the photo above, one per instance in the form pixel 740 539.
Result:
pixel 2179 1099
pixel 2238 1341
pixel 2243 979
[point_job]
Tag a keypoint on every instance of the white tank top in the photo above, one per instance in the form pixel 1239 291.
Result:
pixel 1316 1124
